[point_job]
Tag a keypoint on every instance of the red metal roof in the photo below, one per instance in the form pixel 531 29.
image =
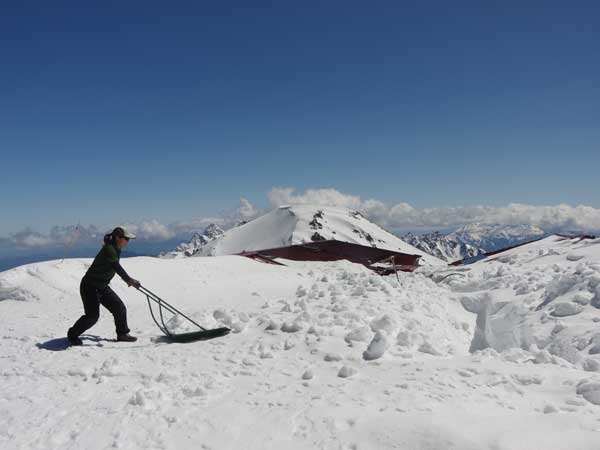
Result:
pixel 332 250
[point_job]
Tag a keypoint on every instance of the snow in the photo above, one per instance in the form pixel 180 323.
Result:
pixel 564 309
pixel 298 224
pixel 490 237
pixel 377 347
pixel 589 391
pixel 194 245
pixel 326 355
pixel 534 295
pixel 474 239
pixel 446 247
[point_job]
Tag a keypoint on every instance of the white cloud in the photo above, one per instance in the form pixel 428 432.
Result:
pixel 28 238
pixel 59 236
pixel 246 210
pixel 326 197
pixel 185 227
pixel 403 215
pixel 399 215
pixel 151 230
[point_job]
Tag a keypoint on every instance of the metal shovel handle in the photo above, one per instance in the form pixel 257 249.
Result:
pixel 163 304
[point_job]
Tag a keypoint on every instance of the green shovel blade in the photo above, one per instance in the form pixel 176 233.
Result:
pixel 197 335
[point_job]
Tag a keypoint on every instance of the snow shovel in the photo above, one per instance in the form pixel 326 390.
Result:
pixel 201 335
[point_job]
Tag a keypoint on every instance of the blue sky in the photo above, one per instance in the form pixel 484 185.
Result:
pixel 173 110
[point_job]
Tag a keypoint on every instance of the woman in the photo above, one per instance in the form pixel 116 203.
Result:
pixel 95 291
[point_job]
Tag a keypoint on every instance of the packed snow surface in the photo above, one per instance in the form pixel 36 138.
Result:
pixel 322 356
pixel 299 224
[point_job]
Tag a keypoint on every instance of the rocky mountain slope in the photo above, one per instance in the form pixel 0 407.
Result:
pixel 196 243
pixel 473 240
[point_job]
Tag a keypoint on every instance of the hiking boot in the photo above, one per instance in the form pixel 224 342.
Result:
pixel 73 340
pixel 126 338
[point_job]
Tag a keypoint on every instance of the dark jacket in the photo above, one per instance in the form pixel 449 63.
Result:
pixel 105 265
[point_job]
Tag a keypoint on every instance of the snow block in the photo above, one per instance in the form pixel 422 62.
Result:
pixel 288 327
pixel 377 347
pixel 590 391
pixel 329 357
pixel 361 334
pixel 591 365
pixel 594 350
pixel 347 372
pixel 384 323
pixel 427 347
pixel 574 257
pixel 308 375
pixel 564 309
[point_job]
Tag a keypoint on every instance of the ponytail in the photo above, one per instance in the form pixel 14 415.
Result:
pixel 111 237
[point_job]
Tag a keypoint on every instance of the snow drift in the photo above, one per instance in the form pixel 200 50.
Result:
pixel 322 355
pixel 543 296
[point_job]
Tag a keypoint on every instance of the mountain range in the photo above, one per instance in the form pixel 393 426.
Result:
pixel 289 225
pixel 299 224
pixel 473 240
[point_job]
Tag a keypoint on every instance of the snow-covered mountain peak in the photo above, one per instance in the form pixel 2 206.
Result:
pixel 298 224
pixel 212 231
pixel 197 241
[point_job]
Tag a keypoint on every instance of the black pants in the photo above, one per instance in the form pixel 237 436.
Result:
pixel 92 298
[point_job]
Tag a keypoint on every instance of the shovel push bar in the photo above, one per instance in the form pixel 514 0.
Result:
pixel 163 304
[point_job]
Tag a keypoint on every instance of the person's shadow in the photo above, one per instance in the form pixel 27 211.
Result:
pixel 60 344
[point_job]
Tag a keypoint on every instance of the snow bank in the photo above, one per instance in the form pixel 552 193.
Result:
pixel 537 295
pixel 325 355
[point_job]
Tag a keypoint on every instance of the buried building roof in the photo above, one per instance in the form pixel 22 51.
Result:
pixel 332 250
